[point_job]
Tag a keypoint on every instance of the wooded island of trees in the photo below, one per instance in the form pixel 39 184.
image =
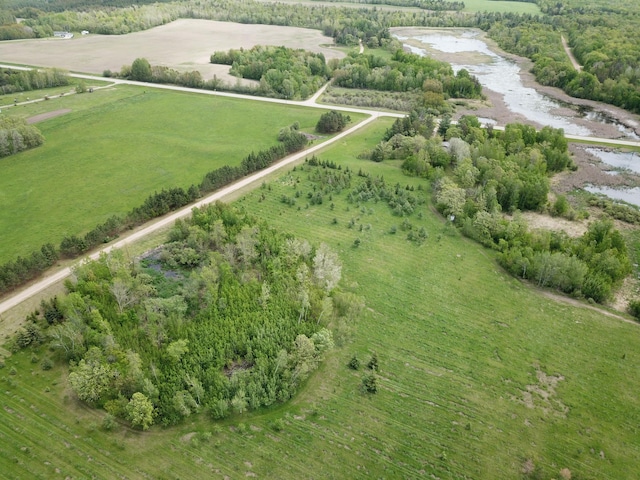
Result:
pixel 229 315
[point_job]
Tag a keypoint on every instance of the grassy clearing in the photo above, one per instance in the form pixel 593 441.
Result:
pixel 501 6
pixel 459 343
pixel 118 146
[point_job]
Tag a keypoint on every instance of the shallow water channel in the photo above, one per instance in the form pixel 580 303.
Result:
pixel 465 48
pixel 494 72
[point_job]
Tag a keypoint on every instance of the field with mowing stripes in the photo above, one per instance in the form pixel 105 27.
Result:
pixel 480 376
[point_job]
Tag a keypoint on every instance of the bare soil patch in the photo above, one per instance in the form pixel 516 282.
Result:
pixel 539 221
pixel 46 116
pixel 185 44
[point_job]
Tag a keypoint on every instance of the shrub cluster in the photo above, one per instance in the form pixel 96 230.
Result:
pixel 16 136
pixel 332 122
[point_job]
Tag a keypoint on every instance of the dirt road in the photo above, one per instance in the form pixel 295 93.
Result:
pixel 574 62
pixel 221 194
pixel 168 220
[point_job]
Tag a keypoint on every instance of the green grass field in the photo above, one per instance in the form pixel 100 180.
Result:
pixel 116 147
pixel 501 6
pixel 480 375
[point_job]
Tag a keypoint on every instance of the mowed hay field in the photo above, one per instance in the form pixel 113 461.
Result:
pixel 116 147
pixel 481 377
pixel 184 45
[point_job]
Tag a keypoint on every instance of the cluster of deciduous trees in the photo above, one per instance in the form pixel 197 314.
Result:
pixel 24 80
pixel 17 272
pixel 282 72
pixel 589 266
pixel 407 72
pixel 16 136
pixel 229 315
pixel 486 173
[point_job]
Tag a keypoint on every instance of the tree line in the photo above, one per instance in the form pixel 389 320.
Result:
pixel 229 315
pixel 25 80
pixel 23 269
pixel 436 5
pixel 598 33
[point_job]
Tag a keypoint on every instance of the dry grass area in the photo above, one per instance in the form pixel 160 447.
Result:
pixel 537 220
pixel 183 45
pixel 46 116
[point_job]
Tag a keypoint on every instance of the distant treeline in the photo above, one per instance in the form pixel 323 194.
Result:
pixel 598 32
pixel 25 80
pixel 423 4
pixel 345 24
pixel 23 269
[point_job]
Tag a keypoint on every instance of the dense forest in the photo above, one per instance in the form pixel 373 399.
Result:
pixel 228 315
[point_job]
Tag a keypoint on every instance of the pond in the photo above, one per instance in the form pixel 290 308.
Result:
pixel 629 161
pixel 466 48
pixel 629 195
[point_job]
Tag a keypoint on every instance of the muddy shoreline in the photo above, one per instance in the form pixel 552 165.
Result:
pixel 590 169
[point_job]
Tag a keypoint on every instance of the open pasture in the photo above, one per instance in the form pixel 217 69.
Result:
pixel 480 376
pixel 116 147
pixel 185 44
pixel 501 6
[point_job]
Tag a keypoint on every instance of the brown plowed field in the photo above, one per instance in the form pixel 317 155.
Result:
pixel 183 45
